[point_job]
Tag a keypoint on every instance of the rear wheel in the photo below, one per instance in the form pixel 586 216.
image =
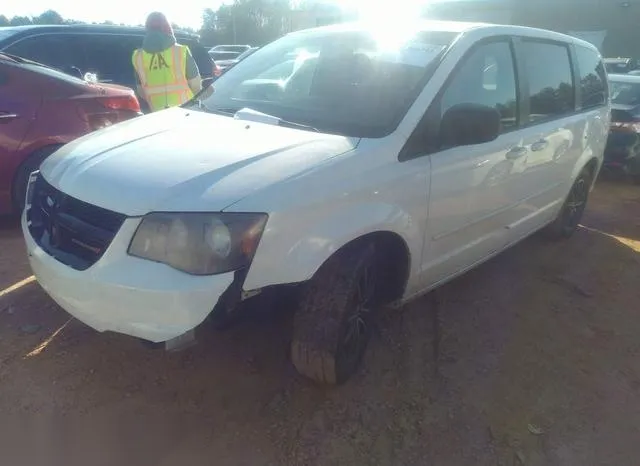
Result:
pixel 21 179
pixel 332 325
pixel 568 219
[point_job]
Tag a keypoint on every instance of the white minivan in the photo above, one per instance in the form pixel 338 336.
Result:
pixel 362 165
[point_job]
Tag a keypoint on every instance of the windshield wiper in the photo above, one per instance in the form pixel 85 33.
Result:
pixel 293 124
pixel 229 111
pixel 198 104
pixel 255 115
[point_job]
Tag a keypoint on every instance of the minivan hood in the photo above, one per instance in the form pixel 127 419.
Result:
pixel 182 160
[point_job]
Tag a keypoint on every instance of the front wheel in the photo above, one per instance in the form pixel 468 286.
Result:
pixel 332 325
pixel 568 219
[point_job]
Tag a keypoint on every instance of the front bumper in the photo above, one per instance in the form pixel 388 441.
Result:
pixel 128 295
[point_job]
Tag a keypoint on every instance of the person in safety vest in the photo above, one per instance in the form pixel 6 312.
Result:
pixel 167 75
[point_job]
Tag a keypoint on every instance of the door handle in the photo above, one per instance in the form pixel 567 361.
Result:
pixel 539 145
pixel 6 117
pixel 516 153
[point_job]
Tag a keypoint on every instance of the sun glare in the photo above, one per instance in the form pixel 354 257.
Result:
pixel 391 26
pixel 17 286
pixel 42 346
pixel 379 11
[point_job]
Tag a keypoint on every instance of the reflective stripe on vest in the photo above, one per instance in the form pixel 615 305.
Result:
pixel 163 76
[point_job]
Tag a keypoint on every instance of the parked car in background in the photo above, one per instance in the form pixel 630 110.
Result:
pixel 623 146
pixel 237 49
pixel 379 170
pixel 223 56
pixel 620 65
pixel 42 109
pixel 224 65
pixel 103 50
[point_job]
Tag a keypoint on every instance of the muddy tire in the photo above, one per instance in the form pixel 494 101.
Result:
pixel 332 325
pixel 568 219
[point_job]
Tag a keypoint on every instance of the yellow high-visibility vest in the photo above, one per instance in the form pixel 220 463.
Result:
pixel 163 76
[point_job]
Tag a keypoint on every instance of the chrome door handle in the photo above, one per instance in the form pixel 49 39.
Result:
pixel 7 117
pixel 516 153
pixel 539 145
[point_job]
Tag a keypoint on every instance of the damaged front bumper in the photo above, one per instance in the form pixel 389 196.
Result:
pixel 136 297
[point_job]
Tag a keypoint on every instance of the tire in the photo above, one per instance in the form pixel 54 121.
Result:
pixel 332 325
pixel 21 179
pixel 568 219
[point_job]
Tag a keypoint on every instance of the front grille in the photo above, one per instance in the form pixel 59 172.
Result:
pixel 72 231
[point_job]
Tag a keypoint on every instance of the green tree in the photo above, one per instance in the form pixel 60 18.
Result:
pixel 48 17
pixel 4 21
pixel 253 22
pixel 20 21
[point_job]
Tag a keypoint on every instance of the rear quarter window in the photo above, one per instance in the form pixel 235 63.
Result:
pixel 594 91
pixel 57 50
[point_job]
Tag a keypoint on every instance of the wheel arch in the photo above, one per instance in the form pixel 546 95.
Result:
pixel 593 165
pixel 393 261
pixel 281 259
pixel 590 162
pixel 41 152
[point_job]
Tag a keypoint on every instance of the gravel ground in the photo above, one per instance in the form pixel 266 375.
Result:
pixel 530 359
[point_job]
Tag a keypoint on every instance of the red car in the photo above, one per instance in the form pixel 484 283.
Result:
pixel 42 109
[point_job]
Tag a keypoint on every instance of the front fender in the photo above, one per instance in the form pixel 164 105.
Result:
pixel 294 246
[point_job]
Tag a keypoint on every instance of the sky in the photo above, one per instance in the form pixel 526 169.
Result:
pixel 186 13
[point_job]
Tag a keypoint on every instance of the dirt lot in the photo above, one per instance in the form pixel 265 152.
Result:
pixel 531 359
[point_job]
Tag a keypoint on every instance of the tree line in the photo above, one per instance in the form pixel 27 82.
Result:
pixel 255 22
pixel 52 17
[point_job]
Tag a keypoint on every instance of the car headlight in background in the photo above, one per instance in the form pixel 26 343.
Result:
pixel 199 243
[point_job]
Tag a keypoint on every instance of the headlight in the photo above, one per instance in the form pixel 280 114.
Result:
pixel 30 186
pixel 199 243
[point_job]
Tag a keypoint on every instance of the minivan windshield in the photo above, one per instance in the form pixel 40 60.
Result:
pixel 351 83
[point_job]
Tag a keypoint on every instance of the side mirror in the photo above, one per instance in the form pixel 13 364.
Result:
pixel 469 124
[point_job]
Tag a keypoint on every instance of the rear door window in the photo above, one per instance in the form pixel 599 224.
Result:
pixel 593 80
pixel 548 69
pixel 60 51
pixel 109 56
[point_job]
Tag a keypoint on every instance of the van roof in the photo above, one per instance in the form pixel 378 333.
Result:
pixel 455 27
